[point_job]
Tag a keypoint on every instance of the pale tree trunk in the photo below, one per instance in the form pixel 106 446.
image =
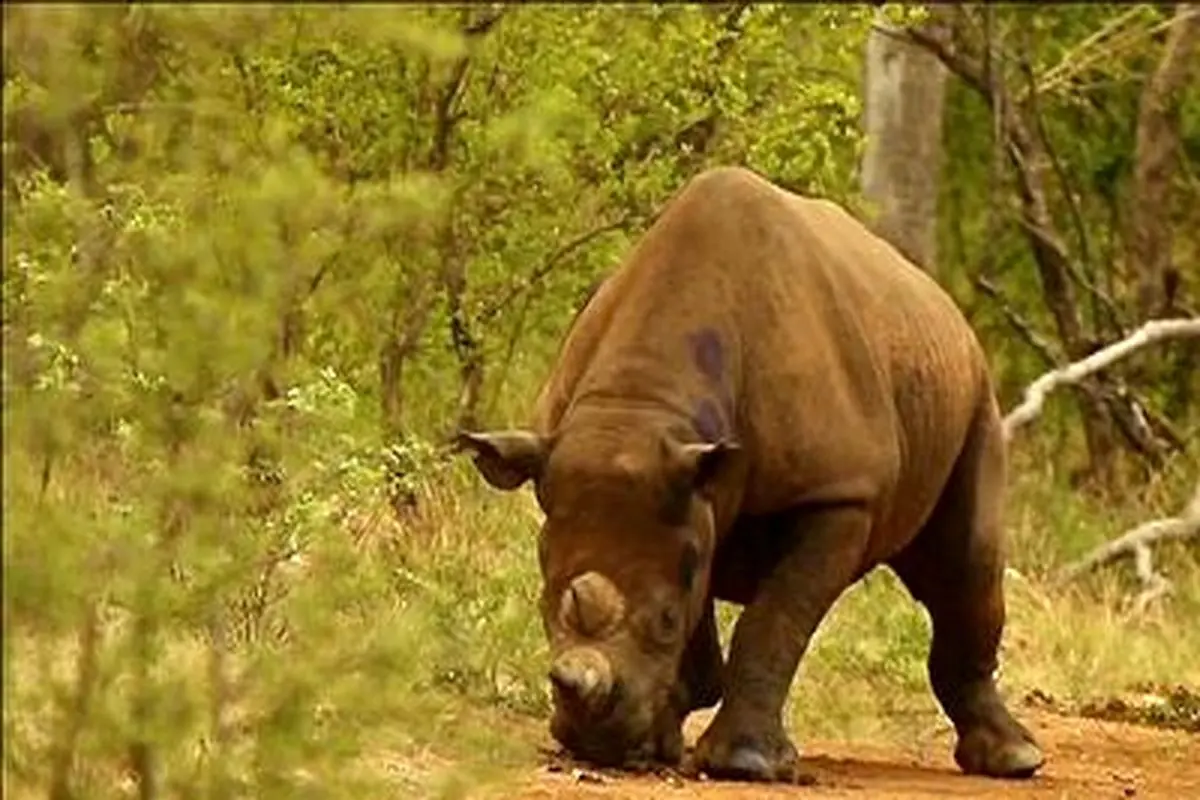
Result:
pixel 902 120
pixel 1148 252
pixel 1149 238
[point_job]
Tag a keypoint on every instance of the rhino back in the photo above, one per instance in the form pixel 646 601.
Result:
pixel 930 373
pixel 782 322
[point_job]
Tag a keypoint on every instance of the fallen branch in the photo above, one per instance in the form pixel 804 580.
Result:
pixel 1035 394
pixel 1137 543
pixel 1137 422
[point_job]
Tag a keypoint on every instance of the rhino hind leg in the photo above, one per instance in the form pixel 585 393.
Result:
pixel 955 568
pixel 746 739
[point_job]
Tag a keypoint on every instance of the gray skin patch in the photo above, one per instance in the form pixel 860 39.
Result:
pixel 708 353
pixel 707 420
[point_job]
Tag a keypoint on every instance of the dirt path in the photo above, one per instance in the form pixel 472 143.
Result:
pixel 1085 759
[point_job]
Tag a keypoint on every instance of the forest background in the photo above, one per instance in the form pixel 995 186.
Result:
pixel 260 263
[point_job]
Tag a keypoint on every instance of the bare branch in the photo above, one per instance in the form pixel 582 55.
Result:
pixel 1021 325
pixel 1026 153
pixel 1093 51
pixel 446 115
pixel 546 267
pixel 1154 583
pixel 1184 526
pixel 1035 394
pixel 1137 542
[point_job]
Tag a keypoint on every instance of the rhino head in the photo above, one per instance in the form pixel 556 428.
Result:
pixel 624 552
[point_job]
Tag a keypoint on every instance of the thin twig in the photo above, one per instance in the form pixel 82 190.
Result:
pixel 1118 43
pixel 1021 325
pixel 546 267
pixel 1137 542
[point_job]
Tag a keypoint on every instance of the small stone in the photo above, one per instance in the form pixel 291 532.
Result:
pixel 586 776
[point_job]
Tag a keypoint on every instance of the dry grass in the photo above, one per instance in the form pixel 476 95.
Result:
pixel 440 671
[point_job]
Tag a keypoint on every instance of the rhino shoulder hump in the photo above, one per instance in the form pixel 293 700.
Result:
pixel 724 181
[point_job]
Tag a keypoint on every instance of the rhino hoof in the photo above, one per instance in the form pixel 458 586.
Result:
pixel 747 758
pixel 749 764
pixel 987 752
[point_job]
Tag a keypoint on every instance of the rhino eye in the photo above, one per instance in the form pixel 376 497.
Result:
pixel 668 625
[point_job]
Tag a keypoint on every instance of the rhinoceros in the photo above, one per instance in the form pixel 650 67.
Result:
pixel 762 404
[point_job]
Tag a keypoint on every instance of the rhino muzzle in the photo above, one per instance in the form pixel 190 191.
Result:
pixel 583 678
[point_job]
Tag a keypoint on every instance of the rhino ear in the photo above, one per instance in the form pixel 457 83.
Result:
pixel 702 462
pixel 505 459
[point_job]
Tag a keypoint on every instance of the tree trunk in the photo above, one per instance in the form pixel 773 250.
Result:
pixel 1149 241
pixel 407 326
pixel 1148 248
pixel 1031 164
pixel 902 120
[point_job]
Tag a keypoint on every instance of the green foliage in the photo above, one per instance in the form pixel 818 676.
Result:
pixel 249 255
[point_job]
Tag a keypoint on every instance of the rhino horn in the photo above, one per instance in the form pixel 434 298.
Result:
pixel 592 604
pixel 583 676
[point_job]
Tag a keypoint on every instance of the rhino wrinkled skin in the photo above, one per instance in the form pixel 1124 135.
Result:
pixel 762 404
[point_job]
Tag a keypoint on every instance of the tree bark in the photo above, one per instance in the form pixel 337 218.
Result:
pixel 1148 246
pixel 1032 168
pixel 1149 235
pixel 902 119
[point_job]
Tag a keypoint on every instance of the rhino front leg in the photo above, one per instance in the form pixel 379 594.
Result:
pixel 746 740
pixel 702 664
pixel 697 686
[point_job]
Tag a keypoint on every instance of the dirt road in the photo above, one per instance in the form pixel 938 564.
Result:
pixel 1085 759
